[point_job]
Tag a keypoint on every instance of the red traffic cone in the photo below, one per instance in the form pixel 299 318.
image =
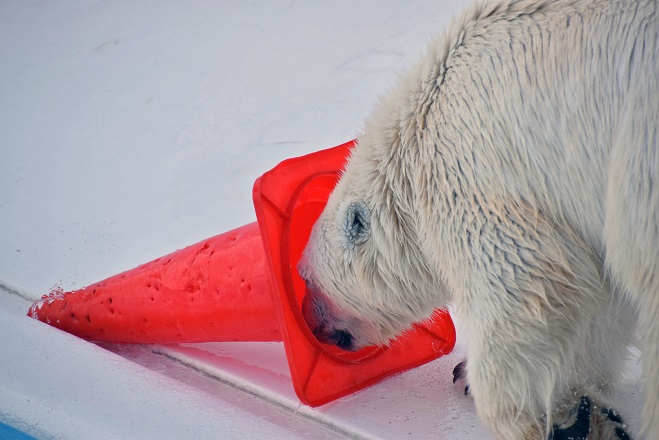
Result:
pixel 243 286
pixel 216 290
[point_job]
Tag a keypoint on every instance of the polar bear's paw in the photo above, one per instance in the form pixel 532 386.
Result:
pixel 460 373
pixel 590 422
pixel 587 421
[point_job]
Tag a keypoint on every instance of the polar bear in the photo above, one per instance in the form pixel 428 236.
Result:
pixel 513 172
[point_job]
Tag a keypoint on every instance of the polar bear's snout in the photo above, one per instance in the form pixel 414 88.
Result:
pixel 318 316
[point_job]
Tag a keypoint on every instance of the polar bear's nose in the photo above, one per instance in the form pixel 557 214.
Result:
pixel 342 339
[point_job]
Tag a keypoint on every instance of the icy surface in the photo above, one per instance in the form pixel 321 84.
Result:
pixel 132 129
pixel 54 385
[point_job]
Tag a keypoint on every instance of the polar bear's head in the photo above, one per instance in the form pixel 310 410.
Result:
pixel 367 278
pixel 371 265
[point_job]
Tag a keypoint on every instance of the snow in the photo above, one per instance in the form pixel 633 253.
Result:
pixel 55 385
pixel 131 129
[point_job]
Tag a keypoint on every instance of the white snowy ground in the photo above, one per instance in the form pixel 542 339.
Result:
pixel 131 129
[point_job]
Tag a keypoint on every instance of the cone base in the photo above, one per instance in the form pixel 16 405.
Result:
pixel 288 200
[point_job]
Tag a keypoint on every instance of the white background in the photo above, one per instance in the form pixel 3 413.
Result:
pixel 131 129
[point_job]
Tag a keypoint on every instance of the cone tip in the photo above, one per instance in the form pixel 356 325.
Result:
pixel 55 293
pixel 34 309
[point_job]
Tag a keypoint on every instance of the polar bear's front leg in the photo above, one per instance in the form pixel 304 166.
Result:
pixel 512 385
pixel 530 293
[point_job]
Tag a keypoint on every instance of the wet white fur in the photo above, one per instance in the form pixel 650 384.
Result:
pixel 513 170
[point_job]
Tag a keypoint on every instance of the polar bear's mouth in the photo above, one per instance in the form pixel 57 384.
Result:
pixel 342 339
pixel 322 323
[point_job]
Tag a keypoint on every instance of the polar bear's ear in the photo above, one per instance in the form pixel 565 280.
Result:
pixel 357 221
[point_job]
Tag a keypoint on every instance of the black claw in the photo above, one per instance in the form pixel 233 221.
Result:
pixel 621 434
pixel 459 371
pixel 579 429
pixel 612 415
pixel 583 413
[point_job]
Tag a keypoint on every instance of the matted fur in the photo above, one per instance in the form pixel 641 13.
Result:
pixel 512 171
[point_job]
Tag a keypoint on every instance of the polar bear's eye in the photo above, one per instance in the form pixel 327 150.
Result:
pixel 357 221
